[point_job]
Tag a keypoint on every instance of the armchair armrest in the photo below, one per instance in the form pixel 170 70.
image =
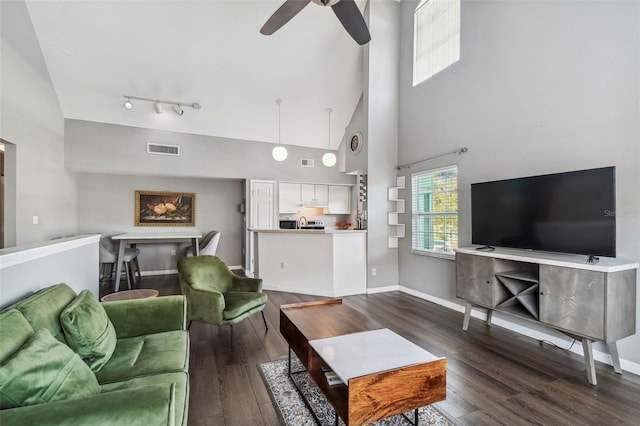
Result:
pixel 246 284
pixel 205 305
pixel 138 317
pixel 143 406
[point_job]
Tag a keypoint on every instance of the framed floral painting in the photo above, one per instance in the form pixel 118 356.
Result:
pixel 162 208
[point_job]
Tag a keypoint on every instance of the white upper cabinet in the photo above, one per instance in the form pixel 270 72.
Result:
pixel 339 199
pixel 315 194
pixel 289 200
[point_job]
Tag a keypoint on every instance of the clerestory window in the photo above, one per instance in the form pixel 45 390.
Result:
pixel 436 31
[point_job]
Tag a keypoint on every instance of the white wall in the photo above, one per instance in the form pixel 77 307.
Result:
pixel 541 87
pixel 28 268
pixel 109 148
pixel 381 135
pixel 106 205
pixel 31 118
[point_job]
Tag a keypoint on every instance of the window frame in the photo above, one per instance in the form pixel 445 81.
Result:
pixel 416 213
pixel 417 31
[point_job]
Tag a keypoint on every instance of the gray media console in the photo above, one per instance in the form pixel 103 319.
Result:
pixel 590 302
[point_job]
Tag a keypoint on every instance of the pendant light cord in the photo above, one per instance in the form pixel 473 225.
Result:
pixel 279 101
pixel 329 112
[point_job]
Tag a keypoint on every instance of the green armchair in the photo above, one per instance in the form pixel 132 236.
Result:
pixel 215 295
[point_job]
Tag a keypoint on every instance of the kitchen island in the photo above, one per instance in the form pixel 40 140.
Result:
pixel 329 263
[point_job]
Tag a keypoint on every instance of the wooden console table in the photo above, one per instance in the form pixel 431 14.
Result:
pixel 587 301
pixel 383 373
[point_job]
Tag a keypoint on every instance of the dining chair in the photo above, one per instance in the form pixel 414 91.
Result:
pixel 107 257
pixel 208 245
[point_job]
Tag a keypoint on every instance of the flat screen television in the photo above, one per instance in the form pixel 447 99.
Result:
pixel 572 212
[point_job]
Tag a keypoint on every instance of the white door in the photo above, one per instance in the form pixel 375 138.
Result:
pixel 262 205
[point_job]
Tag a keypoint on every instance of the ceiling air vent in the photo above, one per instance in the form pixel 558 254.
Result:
pixel 156 148
pixel 306 162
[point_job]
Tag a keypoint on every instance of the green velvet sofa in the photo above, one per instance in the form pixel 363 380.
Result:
pixel 66 358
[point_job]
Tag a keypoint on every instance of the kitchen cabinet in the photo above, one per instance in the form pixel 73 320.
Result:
pixel 289 198
pixel 314 194
pixel 322 263
pixel 339 199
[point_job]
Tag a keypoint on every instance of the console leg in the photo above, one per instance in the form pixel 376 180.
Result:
pixel 588 361
pixel 489 316
pixel 615 358
pixel 467 314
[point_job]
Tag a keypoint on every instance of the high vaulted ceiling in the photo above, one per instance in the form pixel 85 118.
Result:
pixel 209 52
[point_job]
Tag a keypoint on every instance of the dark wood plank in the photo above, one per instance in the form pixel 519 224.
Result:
pixel 494 376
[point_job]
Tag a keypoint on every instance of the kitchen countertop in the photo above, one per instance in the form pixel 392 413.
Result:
pixel 309 231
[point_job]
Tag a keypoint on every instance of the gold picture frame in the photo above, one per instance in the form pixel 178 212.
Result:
pixel 164 208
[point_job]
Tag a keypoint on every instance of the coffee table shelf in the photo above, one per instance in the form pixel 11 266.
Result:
pixel 384 373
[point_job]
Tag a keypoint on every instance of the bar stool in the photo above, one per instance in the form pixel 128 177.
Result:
pixel 108 256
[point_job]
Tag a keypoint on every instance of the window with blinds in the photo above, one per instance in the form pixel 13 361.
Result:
pixel 436 31
pixel 434 211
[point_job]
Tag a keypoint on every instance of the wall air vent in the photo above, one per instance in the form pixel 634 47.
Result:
pixel 306 162
pixel 161 149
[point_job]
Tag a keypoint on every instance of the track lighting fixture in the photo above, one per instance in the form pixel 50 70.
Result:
pixel 177 107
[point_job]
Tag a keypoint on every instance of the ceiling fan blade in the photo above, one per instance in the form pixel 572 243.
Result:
pixel 288 10
pixel 352 21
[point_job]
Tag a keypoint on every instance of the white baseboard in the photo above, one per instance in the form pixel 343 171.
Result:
pixel 161 272
pixel 626 365
pixel 383 289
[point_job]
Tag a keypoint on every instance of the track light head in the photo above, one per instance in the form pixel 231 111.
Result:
pixel 159 104
pixel 177 109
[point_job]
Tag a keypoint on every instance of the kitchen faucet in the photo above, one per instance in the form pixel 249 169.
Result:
pixel 302 222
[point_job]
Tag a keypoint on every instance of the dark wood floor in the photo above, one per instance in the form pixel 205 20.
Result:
pixel 494 376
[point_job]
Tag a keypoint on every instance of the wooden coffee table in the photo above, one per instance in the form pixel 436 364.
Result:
pixel 140 293
pixel 384 374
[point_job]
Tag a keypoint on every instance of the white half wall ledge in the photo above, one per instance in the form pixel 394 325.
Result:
pixel 26 253
pixel 626 365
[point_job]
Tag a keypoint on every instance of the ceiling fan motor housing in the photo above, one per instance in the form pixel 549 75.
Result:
pixel 325 2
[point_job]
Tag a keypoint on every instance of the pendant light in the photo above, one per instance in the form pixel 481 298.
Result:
pixel 329 159
pixel 279 153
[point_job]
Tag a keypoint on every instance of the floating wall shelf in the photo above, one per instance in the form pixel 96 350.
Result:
pixel 398 208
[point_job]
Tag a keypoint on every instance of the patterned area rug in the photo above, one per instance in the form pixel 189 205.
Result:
pixel 293 412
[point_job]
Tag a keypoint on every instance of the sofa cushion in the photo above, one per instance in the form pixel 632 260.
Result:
pixel 42 309
pixel 181 381
pixel 14 332
pixel 165 352
pixel 238 303
pixel 88 330
pixel 44 370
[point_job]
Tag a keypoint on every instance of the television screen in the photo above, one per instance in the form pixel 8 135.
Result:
pixel 572 212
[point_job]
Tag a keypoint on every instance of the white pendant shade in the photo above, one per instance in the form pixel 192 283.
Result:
pixel 279 153
pixel 329 159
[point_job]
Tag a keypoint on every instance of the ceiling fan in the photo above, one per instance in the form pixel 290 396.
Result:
pixel 346 11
